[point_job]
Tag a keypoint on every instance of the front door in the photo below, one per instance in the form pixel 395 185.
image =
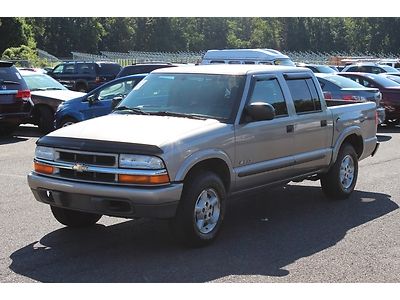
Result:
pixel 264 149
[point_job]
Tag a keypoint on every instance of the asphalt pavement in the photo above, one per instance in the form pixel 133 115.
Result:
pixel 286 234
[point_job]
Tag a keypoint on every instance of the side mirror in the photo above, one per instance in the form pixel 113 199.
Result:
pixel 92 99
pixel 115 101
pixel 260 111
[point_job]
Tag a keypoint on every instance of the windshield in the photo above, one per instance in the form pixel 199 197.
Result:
pixel 343 82
pixel 383 81
pixel 284 62
pixel 210 96
pixel 325 69
pixel 41 82
pixel 394 78
pixel 390 69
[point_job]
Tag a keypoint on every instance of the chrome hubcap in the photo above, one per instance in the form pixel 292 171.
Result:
pixel 347 171
pixel 207 211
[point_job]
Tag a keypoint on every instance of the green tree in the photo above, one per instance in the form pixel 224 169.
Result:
pixel 15 32
pixel 24 55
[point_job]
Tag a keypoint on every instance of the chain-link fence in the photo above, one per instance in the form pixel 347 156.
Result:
pixel 134 57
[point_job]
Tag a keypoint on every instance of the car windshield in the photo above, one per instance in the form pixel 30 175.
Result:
pixel 325 69
pixel 342 82
pixel 41 82
pixel 390 69
pixel 394 78
pixel 206 95
pixel 284 62
pixel 382 81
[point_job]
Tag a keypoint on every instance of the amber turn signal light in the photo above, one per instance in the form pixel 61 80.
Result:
pixel 143 179
pixel 41 168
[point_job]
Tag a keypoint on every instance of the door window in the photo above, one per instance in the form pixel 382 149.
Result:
pixel 69 69
pixel 304 95
pixel 117 89
pixel 269 91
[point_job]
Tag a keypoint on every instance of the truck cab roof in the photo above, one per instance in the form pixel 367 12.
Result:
pixel 231 69
pixel 246 56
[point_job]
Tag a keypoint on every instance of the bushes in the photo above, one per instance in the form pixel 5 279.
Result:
pixel 24 57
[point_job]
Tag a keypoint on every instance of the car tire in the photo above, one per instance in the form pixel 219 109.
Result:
pixel 341 178
pixel 7 130
pixel 201 210
pixel 68 121
pixel 73 218
pixel 46 119
pixel 81 87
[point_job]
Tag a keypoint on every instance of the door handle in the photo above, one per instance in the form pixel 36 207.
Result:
pixel 324 123
pixel 289 128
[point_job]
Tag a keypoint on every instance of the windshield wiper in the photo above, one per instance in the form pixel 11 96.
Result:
pixel 8 82
pixel 176 114
pixel 53 89
pixel 134 110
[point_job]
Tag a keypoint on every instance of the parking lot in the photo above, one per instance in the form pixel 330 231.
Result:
pixel 289 234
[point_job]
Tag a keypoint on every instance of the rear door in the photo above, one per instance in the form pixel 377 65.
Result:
pixel 313 125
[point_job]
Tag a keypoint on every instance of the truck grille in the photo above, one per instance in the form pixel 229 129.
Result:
pixel 86 159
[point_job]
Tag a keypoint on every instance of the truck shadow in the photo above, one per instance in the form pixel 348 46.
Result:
pixel 23 133
pixel 262 235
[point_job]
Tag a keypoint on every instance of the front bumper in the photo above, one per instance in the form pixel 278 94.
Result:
pixel 112 200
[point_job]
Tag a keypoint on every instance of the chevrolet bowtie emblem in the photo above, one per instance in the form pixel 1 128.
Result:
pixel 79 168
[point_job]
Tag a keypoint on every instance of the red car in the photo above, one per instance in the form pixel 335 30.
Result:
pixel 389 89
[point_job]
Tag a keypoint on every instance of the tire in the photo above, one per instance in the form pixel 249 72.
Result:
pixel 73 218
pixel 199 227
pixel 68 121
pixel 46 119
pixel 7 130
pixel 341 178
pixel 392 123
pixel 81 88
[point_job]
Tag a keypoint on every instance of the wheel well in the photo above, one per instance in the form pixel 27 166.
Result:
pixel 81 83
pixel 357 143
pixel 37 107
pixel 216 165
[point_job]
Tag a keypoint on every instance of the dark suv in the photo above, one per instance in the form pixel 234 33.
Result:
pixel 84 76
pixel 143 68
pixel 15 98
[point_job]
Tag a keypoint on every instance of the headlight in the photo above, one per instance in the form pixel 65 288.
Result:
pixel 46 153
pixel 140 162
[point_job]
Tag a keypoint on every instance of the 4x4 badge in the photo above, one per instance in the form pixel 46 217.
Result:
pixel 79 168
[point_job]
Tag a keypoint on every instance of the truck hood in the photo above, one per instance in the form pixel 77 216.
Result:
pixel 62 95
pixel 137 129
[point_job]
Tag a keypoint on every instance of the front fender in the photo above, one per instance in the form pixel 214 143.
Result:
pixel 201 156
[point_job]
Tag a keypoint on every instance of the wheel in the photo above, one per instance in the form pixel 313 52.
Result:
pixel 6 130
pixel 341 178
pixel 46 119
pixel 81 88
pixel 73 218
pixel 392 123
pixel 201 210
pixel 68 121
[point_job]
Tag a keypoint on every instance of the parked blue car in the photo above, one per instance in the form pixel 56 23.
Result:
pixel 96 103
